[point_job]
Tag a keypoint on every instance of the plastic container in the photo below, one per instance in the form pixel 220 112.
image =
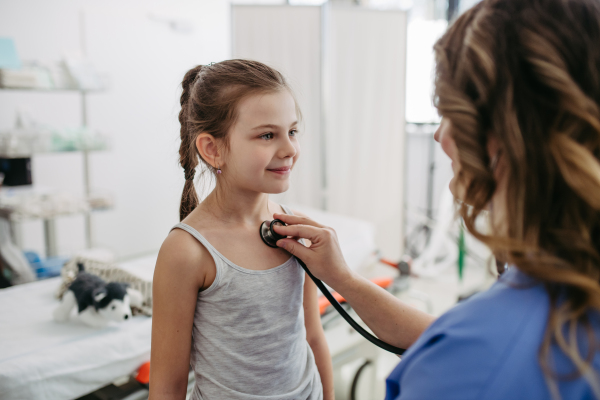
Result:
pixel 45 268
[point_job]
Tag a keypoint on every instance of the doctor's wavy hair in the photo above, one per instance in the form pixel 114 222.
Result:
pixel 527 72
pixel 209 98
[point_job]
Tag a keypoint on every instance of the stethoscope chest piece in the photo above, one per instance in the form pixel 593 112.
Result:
pixel 268 235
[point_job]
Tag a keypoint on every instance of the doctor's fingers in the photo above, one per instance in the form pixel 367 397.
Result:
pixel 297 220
pixel 311 233
pixel 324 256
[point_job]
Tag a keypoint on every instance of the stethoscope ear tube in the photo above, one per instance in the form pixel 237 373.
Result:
pixel 270 237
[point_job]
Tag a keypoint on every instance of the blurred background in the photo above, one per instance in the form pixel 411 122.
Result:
pixel 131 56
pixel 89 139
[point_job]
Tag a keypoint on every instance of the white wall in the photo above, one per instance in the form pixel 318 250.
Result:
pixel 145 61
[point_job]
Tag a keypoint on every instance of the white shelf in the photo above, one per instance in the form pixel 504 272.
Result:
pixel 20 217
pixel 51 90
pixel 49 226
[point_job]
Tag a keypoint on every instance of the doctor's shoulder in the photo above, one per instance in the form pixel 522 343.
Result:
pixel 182 258
pixel 479 345
pixel 512 306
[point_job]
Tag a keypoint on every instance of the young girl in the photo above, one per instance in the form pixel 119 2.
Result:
pixel 242 314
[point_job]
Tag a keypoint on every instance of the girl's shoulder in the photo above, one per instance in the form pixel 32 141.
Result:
pixel 184 258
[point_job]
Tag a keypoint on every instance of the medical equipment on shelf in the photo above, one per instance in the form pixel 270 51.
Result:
pixel 12 258
pixel 270 238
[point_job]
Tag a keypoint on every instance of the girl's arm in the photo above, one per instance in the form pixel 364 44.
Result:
pixel 181 271
pixel 316 337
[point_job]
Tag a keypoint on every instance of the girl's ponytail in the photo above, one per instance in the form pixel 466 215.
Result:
pixel 187 149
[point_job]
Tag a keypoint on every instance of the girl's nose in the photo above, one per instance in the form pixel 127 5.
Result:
pixel 288 149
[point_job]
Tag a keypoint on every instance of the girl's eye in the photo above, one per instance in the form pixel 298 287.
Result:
pixel 293 132
pixel 267 136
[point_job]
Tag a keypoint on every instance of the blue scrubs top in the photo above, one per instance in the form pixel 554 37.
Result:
pixel 487 348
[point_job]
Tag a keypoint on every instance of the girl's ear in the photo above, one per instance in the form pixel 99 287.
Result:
pixel 208 149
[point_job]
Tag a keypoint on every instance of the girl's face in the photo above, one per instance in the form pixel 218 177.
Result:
pixel 263 143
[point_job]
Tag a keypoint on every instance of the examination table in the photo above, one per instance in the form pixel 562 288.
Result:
pixel 42 359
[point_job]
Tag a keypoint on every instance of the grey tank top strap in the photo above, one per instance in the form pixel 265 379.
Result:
pixel 286 209
pixel 214 252
pixel 217 257
pixel 198 236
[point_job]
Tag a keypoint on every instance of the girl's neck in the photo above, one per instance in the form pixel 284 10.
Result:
pixel 238 206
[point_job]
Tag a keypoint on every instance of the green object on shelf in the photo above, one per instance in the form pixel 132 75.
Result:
pixel 461 251
pixel 78 139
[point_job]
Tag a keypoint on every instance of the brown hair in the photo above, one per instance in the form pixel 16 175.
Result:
pixel 527 72
pixel 208 104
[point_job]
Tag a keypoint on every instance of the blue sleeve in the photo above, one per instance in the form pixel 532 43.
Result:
pixel 444 367
pixel 469 352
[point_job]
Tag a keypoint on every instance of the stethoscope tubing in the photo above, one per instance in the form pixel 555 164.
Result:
pixel 338 307
pixel 270 237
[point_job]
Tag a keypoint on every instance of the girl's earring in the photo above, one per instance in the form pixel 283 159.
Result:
pixel 218 170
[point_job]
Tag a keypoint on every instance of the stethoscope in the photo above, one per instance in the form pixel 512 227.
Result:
pixel 270 237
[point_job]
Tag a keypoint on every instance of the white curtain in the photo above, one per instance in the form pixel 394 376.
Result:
pixel 289 39
pixel 365 75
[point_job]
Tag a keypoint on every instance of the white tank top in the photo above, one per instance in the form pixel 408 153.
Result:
pixel 249 340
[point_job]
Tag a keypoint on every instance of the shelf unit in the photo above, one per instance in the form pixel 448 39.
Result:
pixel 49 223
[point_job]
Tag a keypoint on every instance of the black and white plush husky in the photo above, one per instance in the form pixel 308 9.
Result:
pixel 97 302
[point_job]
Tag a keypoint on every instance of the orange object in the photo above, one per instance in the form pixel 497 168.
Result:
pixel 324 303
pixel 143 375
pixel 383 282
pixel 388 262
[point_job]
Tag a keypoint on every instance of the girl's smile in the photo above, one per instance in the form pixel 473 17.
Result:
pixel 281 170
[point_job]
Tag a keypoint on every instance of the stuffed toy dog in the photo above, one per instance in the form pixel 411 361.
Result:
pixel 97 302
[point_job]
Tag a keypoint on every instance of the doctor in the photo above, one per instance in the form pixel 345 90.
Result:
pixel 518 87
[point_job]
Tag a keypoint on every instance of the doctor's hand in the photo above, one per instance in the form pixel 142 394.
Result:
pixel 324 257
pixel 389 318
